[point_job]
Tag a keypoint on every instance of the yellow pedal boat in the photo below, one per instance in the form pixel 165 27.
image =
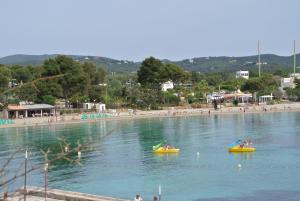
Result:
pixel 163 150
pixel 237 148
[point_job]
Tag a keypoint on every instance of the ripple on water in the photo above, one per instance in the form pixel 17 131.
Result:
pixel 119 160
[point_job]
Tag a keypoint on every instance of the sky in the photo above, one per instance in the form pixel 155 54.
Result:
pixel 136 29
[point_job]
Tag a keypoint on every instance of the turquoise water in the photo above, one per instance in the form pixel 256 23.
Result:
pixel 120 163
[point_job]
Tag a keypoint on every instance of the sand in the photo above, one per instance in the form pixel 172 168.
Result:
pixel 172 112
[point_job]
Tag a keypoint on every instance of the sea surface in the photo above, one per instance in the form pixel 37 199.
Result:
pixel 118 161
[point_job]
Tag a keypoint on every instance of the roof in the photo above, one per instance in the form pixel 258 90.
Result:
pixel 30 107
pixel 266 96
pixel 237 95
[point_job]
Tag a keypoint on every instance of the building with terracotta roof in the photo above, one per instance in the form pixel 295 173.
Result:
pixel 25 111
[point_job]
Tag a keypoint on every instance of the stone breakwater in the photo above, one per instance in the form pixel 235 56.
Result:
pixel 37 193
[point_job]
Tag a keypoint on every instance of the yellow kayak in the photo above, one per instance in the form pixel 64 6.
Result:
pixel 237 148
pixel 162 150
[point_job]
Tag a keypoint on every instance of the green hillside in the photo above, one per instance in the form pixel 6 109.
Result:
pixel 271 63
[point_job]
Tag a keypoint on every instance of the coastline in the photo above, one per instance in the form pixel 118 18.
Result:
pixel 76 118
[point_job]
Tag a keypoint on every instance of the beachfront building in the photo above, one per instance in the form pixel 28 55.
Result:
pixel 167 85
pixel 88 106
pixel 214 96
pixel 239 96
pixel 100 107
pixel 229 97
pixel 32 110
pixel 265 98
pixel 242 74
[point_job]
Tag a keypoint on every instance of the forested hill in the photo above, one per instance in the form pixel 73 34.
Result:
pixel 111 65
pixel 270 62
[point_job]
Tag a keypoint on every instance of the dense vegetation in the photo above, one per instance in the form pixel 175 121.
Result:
pixel 61 77
pixel 75 82
pixel 272 63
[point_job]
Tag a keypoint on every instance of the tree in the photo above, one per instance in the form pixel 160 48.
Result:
pixel 51 67
pixel 27 92
pixel 49 87
pixel 21 73
pixel 49 99
pixel 153 73
pixel 5 77
pixel 150 98
pixel 236 83
pixel 97 75
pixel 294 94
pixel 196 77
pixel 170 98
pixel 78 98
pixel 252 85
pixel 97 93
pixel 214 79
pixel 132 94
pixel 201 89
pixel 174 73
pixel 149 72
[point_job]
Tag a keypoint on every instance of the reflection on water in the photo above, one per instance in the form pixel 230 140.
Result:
pixel 243 155
pixel 119 160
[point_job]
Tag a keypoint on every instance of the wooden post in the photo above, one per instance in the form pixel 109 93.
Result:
pixel 159 192
pixel 46 180
pixel 25 178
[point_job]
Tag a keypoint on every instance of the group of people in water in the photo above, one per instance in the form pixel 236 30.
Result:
pixel 167 146
pixel 246 144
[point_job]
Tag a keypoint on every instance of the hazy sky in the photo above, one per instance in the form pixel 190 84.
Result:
pixel 135 29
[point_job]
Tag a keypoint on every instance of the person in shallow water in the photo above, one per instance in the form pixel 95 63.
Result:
pixel 155 198
pixel 138 198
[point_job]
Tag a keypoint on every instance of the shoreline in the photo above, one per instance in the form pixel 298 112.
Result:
pixel 76 118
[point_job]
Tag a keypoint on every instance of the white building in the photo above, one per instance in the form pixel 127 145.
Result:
pixel 287 82
pixel 100 107
pixel 243 74
pixel 88 106
pixel 167 85
pixel 265 98
pixel 296 75
pixel 13 83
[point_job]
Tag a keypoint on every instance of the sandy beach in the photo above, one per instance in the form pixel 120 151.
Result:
pixel 172 112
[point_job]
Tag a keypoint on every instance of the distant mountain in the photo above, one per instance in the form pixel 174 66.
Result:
pixel 270 62
pixel 22 59
pixel 111 65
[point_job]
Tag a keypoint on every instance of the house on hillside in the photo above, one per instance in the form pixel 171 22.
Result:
pixel 287 82
pixel 295 75
pixel 12 83
pixel 167 85
pixel 242 74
